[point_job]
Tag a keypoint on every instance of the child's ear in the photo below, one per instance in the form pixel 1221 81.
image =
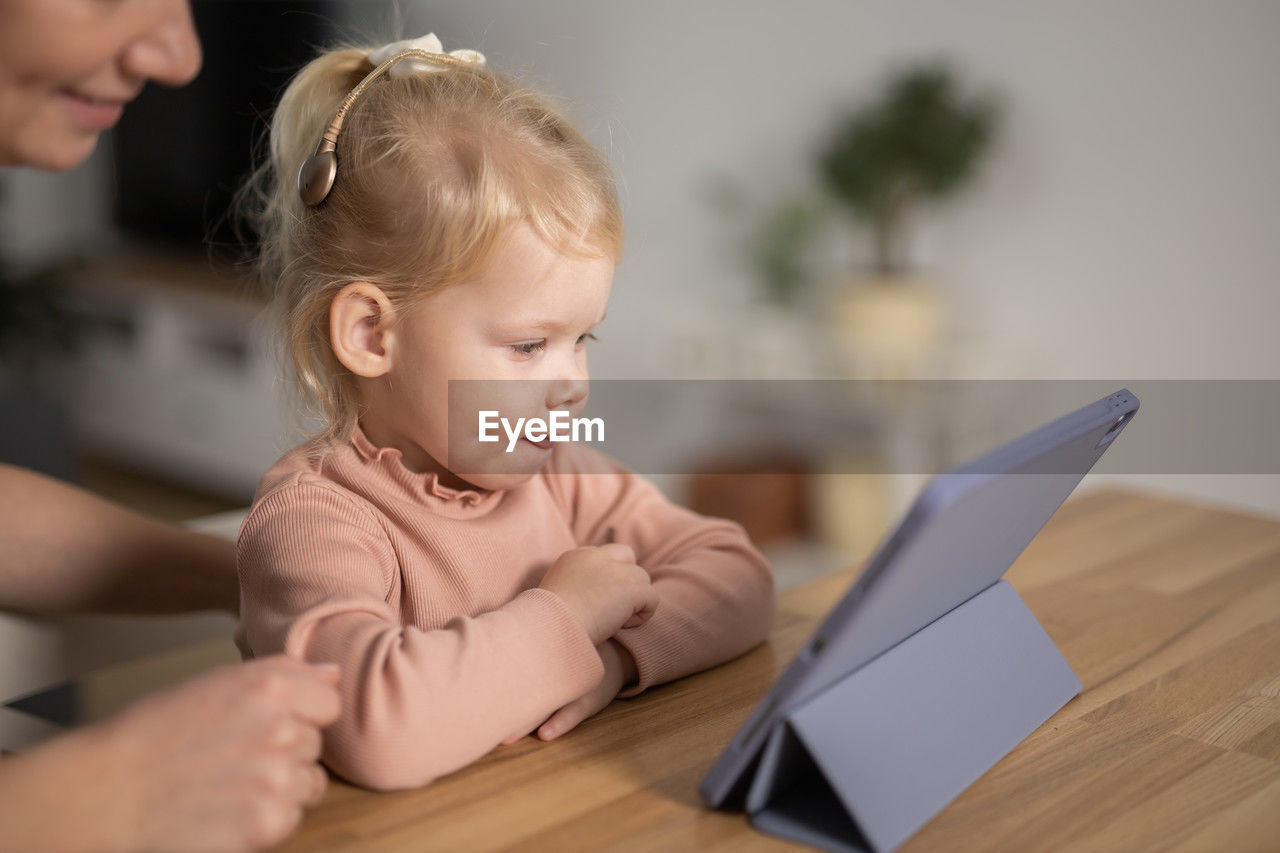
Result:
pixel 361 318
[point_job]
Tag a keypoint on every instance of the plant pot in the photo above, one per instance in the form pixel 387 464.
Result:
pixel 850 511
pixel 887 327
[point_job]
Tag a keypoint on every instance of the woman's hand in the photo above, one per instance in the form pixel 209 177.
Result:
pixel 619 671
pixel 227 760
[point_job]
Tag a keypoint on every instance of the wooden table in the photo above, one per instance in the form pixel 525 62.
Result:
pixel 1169 613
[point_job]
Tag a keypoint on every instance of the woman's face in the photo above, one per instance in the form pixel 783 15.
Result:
pixel 68 67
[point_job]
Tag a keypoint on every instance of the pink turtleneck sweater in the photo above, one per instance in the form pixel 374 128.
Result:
pixel 428 598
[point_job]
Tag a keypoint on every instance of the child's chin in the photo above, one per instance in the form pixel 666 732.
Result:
pixel 504 480
pixel 500 470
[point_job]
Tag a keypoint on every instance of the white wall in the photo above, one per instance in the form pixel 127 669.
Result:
pixel 1127 221
pixel 1126 226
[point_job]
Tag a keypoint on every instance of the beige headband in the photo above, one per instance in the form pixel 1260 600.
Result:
pixel 398 59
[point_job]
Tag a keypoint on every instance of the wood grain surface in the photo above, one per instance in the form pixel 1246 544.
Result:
pixel 1169 612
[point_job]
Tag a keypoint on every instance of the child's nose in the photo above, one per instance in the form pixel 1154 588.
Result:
pixel 568 393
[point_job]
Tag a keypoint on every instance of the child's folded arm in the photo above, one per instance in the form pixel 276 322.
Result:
pixel 315 572
pixel 716 601
pixel 717 597
pixel 420 704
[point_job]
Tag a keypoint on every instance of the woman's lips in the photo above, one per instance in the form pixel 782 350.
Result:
pixel 93 113
pixel 545 444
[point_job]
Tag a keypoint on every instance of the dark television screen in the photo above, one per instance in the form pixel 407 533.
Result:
pixel 179 153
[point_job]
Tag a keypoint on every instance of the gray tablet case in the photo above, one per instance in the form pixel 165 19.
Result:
pixel 930 669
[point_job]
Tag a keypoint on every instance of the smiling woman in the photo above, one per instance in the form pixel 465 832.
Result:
pixel 157 775
pixel 69 67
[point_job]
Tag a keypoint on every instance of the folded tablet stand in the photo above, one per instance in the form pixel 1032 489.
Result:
pixel 868 761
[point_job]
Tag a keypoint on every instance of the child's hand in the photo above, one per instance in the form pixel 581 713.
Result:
pixel 619 671
pixel 604 588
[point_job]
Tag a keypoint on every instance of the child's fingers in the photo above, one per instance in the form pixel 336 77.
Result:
pixel 647 606
pixel 564 719
pixel 510 739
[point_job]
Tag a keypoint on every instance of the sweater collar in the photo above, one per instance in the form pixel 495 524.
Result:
pixel 425 485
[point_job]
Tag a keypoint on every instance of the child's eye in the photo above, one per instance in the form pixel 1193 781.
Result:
pixel 582 339
pixel 529 347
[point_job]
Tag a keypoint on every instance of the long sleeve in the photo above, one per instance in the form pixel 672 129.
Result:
pixel 317 571
pixel 717 597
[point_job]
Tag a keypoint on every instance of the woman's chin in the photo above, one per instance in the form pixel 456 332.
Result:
pixel 58 152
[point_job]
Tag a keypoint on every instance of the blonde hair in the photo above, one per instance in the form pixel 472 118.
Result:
pixel 434 171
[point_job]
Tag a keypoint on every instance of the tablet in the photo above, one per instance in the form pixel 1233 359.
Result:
pixel 962 533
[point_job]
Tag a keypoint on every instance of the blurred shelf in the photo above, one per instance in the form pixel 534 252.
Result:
pixel 174 374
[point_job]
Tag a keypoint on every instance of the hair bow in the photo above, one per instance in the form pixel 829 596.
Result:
pixel 411 65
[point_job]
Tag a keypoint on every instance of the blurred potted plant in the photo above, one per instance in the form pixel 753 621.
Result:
pixel 773 241
pixel 774 238
pixel 921 141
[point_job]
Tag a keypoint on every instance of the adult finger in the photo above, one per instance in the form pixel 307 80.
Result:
pixel 292 783
pixel 274 823
pixel 618 551
pixel 330 672
pixel 316 781
pixel 324 670
pixel 306 691
pixel 302 741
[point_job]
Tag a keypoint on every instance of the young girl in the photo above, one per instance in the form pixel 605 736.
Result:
pixel 452 225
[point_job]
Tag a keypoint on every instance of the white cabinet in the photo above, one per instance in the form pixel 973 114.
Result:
pixel 175 374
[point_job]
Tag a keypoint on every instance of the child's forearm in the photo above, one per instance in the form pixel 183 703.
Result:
pixel 420 704
pixel 715 591
pixel 64 550
pixel 716 603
